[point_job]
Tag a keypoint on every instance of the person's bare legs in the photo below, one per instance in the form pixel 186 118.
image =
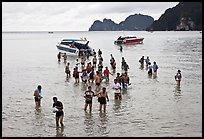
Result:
pixel 57 121
pixel 100 107
pixel 90 107
pixel 104 108
pixel 61 120
pixel 85 107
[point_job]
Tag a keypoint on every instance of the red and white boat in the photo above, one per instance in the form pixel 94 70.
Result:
pixel 128 40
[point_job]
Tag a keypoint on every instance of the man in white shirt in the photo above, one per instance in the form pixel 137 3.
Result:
pixel 117 90
pixel 77 63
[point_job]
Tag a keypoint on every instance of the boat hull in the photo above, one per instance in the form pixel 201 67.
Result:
pixel 74 46
pixel 133 41
pixel 66 49
pixel 128 41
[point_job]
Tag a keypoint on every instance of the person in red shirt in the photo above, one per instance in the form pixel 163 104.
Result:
pixel 106 73
pixel 88 68
pixel 76 75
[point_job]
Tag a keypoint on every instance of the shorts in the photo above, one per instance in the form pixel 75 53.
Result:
pixel 150 72
pixel 99 99
pixel 118 96
pixel 104 76
pixel 89 101
pixel 59 113
pixel 102 100
pixel 98 84
pixel 125 85
pixel 94 63
pixel 67 72
pixel 76 76
pixel 91 77
pixel 84 81
pixel 37 99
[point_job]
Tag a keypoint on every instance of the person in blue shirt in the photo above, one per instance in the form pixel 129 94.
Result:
pixel 155 68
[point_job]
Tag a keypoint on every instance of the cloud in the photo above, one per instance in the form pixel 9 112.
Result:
pixel 73 15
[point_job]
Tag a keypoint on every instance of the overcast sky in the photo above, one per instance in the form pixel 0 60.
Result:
pixel 73 16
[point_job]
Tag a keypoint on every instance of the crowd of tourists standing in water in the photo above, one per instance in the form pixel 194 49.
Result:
pixel 91 72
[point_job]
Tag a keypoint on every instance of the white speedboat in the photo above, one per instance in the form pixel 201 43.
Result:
pixel 74 46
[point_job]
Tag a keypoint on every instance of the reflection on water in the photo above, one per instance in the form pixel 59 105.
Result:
pixel 60 131
pixel 117 105
pixel 178 89
pixel 103 122
pixel 154 75
pixel 89 123
pixel 124 90
pixel 177 93
pixel 142 66
pixel 38 114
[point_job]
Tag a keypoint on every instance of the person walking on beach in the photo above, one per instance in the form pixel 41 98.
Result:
pixel 178 77
pixel 155 68
pixel 59 113
pixel 37 97
pixel 103 96
pixel 88 95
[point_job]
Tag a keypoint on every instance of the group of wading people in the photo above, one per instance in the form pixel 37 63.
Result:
pixel 91 73
pixel 152 69
pixel 94 72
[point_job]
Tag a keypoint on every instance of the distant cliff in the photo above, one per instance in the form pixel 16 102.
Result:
pixel 184 16
pixel 132 23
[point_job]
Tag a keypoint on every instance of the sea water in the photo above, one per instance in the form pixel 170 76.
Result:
pixel 149 107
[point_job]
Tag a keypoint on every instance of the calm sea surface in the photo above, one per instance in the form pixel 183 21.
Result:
pixel 150 107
